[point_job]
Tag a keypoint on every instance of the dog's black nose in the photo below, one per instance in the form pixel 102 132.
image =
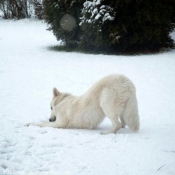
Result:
pixel 52 119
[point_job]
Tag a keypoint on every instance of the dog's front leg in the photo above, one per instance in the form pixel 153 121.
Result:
pixel 45 124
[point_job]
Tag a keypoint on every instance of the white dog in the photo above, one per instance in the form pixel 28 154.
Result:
pixel 113 96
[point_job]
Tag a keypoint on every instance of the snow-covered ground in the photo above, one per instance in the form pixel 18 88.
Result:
pixel 28 72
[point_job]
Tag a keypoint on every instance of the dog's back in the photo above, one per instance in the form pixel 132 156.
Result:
pixel 113 96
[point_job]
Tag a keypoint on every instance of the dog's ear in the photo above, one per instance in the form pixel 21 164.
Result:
pixel 55 92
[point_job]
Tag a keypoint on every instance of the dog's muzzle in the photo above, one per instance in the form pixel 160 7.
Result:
pixel 52 119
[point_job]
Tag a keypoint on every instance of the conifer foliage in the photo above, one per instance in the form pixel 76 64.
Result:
pixel 63 18
pixel 114 26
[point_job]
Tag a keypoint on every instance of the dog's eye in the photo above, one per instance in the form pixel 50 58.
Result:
pixel 51 108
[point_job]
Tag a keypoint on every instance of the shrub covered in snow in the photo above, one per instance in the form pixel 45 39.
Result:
pixel 95 23
pixel 120 25
pixel 93 12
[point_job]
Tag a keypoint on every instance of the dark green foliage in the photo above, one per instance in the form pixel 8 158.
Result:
pixel 144 24
pixel 56 11
pixel 133 26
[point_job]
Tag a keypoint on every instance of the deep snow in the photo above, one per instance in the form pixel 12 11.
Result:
pixel 28 72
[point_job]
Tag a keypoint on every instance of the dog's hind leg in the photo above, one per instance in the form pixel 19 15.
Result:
pixel 122 121
pixel 114 113
pixel 116 125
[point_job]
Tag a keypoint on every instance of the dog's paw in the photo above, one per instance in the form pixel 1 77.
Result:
pixel 28 124
pixel 107 132
pixel 103 133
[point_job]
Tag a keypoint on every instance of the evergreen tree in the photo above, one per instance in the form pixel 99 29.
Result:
pixel 118 26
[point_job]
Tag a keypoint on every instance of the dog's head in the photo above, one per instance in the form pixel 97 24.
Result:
pixel 56 95
pixel 57 98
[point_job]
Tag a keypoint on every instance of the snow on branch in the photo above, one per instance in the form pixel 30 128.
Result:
pixel 94 11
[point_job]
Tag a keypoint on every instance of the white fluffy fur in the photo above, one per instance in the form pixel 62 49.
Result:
pixel 113 96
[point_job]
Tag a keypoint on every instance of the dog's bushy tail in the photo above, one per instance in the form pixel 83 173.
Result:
pixel 130 113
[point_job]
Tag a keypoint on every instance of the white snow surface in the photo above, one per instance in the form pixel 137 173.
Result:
pixel 28 72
